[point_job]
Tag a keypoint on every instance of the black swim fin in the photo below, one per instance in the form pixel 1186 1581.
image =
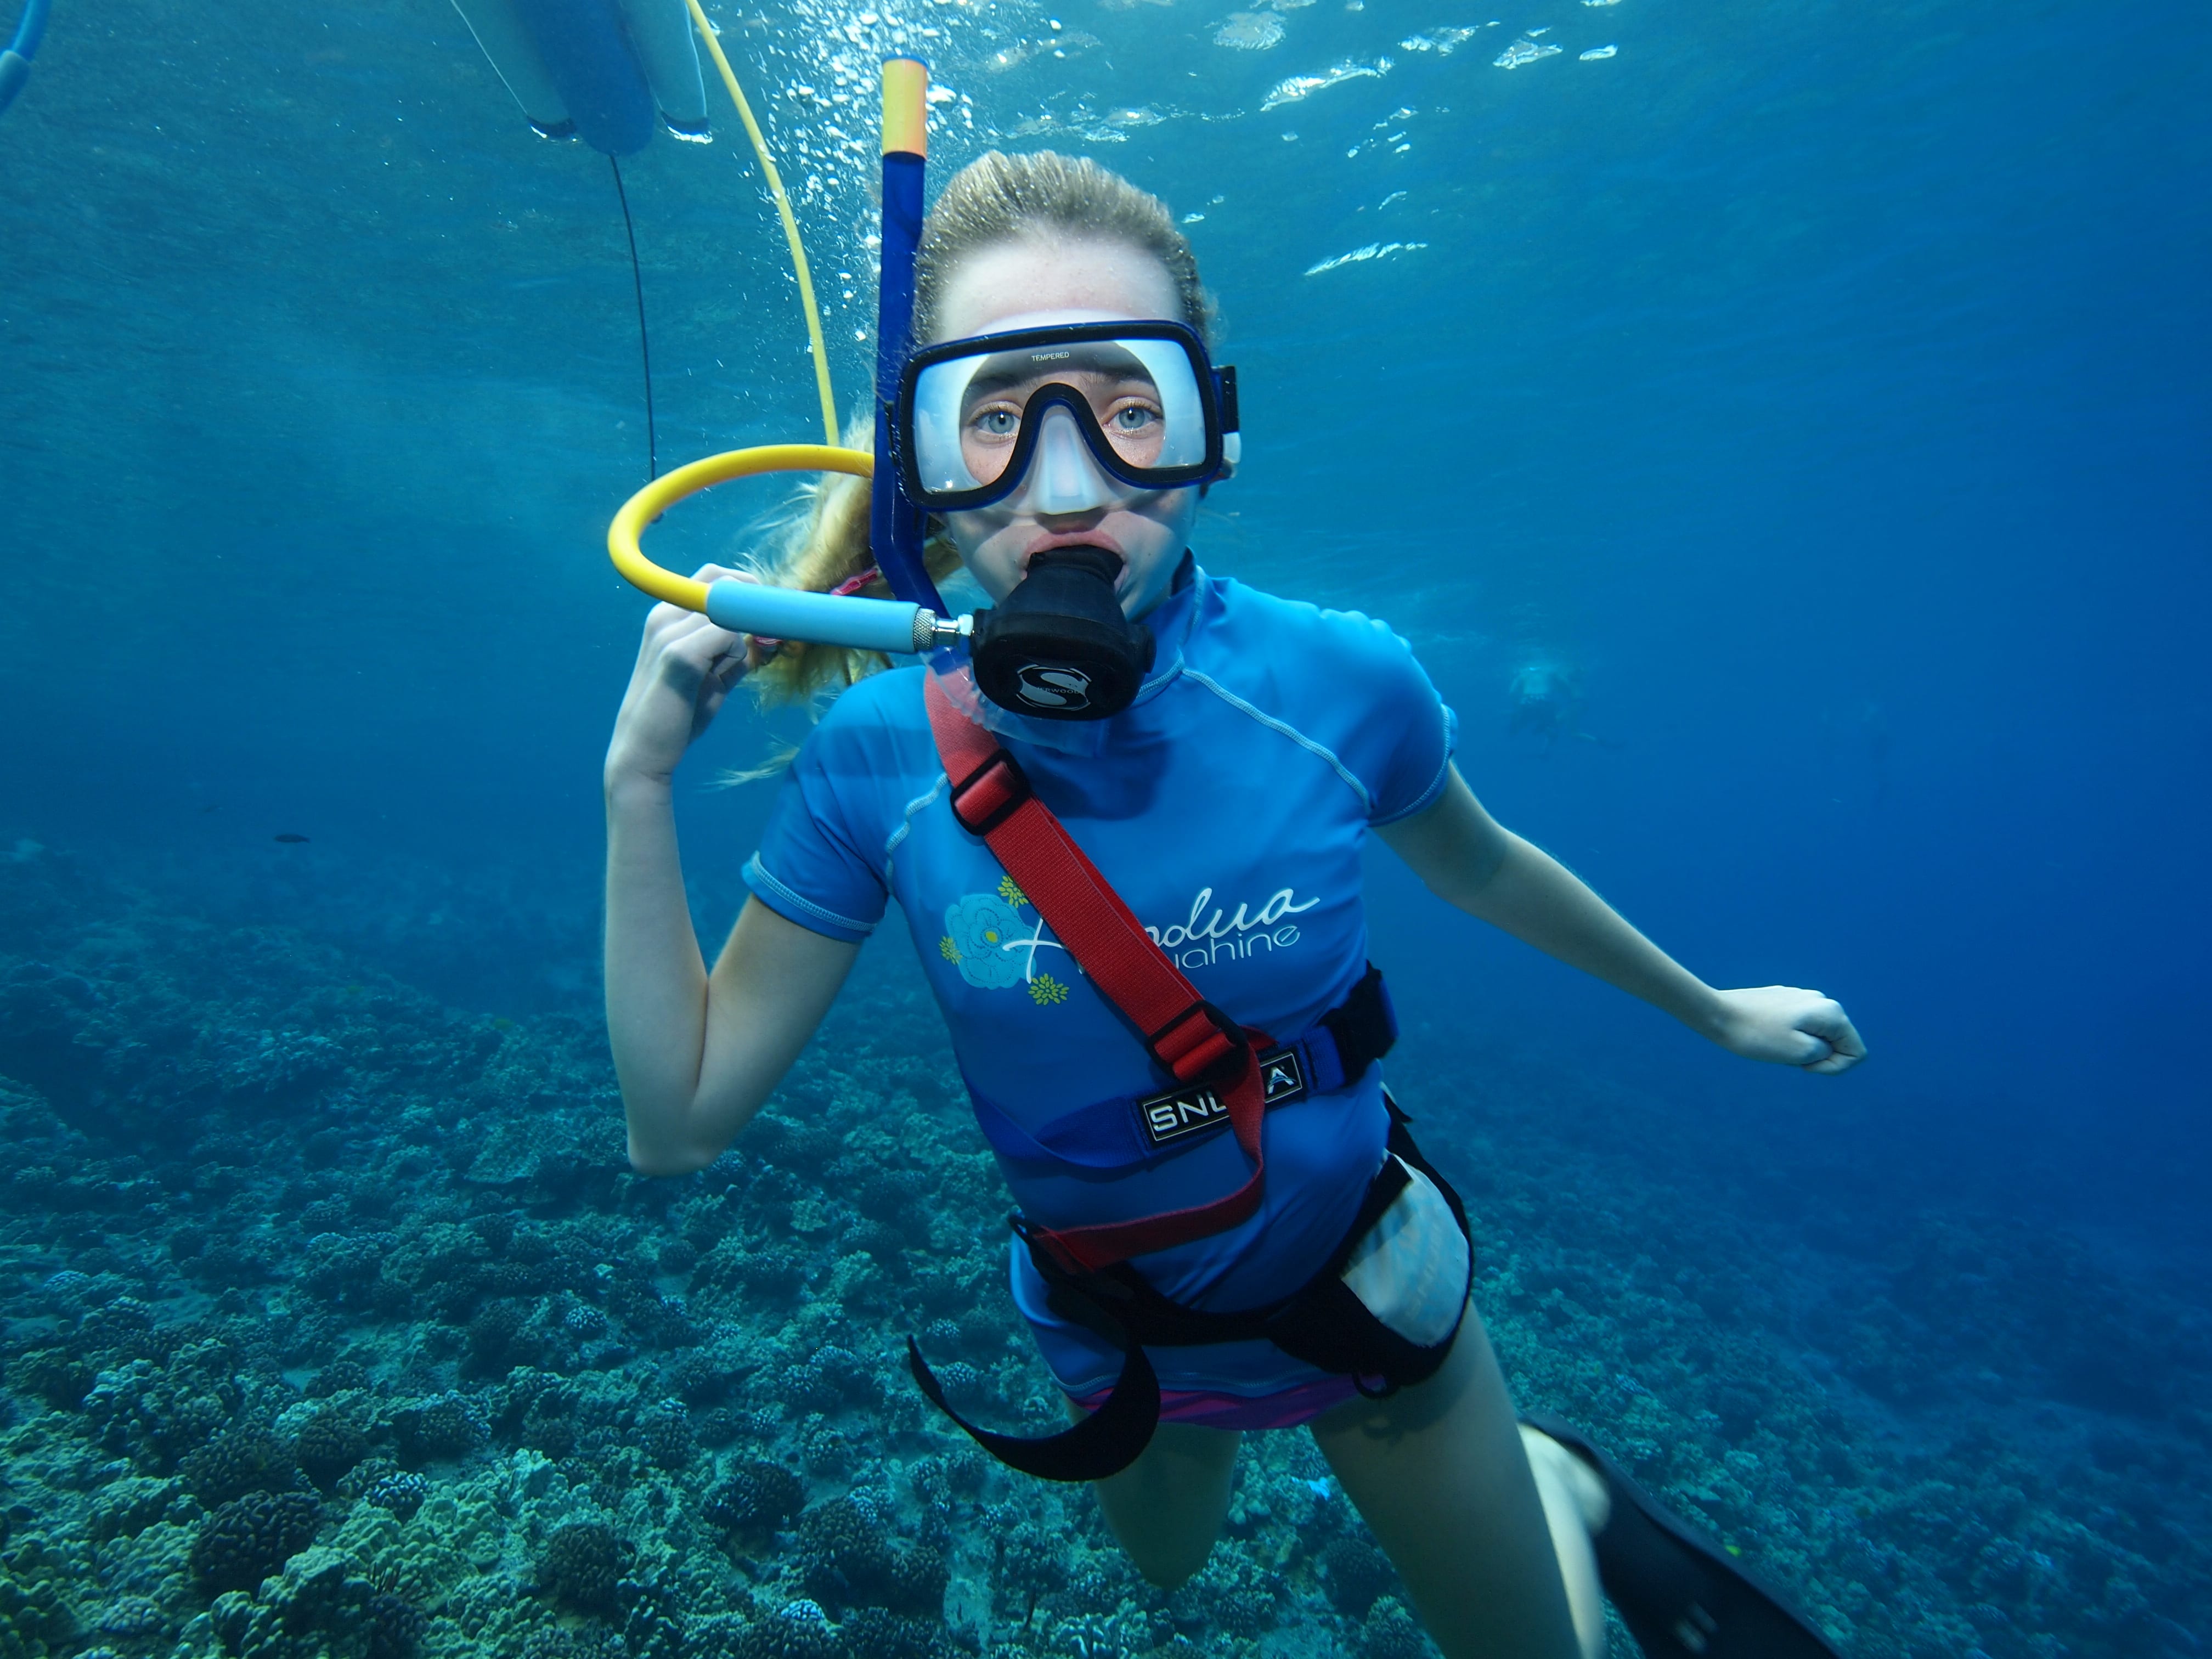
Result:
pixel 1678 1589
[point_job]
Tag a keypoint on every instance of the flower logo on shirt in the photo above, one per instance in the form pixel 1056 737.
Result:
pixel 986 938
pixel 980 935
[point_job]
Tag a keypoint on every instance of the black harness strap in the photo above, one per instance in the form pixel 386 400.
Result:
pixel 1363 1024
pixel 1332 1329
pixel 1321 1322
pixel 1106 1442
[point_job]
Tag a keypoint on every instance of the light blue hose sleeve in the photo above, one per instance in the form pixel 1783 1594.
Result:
pixel 792 613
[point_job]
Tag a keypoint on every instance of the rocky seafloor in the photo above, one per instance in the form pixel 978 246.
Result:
pixel 335 1325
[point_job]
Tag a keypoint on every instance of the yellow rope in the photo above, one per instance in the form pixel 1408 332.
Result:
pixel 790 224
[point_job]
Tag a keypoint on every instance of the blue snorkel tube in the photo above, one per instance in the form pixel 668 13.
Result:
pixel 15 66
pixel 896 525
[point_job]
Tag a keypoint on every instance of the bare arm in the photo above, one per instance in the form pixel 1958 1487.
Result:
pixel 1469 859
pixel 695 1054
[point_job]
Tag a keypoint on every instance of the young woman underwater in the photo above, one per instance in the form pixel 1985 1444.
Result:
pixel 1226 805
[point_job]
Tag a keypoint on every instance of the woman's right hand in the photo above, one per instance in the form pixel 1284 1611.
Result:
pixel 686 666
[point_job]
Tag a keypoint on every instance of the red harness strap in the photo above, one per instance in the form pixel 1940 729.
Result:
pixel 1184 1032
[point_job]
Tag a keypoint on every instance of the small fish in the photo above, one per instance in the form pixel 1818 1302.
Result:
pixel 291 839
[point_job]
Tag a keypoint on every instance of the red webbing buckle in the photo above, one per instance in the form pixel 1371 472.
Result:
pixel 999 787
pixel 1195 1052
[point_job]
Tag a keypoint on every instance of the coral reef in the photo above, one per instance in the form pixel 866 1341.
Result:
pixel 251 1537
pixel 244 1460
pixel 321 1605
pixel 583 1564
pixel 848 1557
pixel 337 1329
pixel 329 1444
pixel 757 1497
pixel 1357 1573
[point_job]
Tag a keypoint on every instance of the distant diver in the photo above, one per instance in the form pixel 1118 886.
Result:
pixel 1547 702
pixel 15 61
pixel 290 838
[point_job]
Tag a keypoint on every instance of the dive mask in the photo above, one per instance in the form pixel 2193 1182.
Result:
pixel 1143 397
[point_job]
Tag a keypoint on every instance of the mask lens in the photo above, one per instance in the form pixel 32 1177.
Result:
pixel 969 412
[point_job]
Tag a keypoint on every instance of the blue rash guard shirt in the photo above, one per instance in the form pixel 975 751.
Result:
pixel 1227 806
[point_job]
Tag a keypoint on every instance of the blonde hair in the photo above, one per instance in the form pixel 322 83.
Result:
pixel 995 199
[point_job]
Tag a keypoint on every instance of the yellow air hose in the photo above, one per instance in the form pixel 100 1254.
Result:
pixel 783 208
pixel 670 487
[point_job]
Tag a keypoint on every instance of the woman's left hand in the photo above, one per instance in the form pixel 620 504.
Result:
pixel 1788 1027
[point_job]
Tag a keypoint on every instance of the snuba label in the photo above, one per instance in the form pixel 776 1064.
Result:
pixel 1180 1113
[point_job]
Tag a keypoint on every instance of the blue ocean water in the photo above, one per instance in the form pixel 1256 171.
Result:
pixel 1813 400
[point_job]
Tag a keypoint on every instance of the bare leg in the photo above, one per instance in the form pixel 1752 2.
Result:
pixel 1166 1508
pixel 1440 1474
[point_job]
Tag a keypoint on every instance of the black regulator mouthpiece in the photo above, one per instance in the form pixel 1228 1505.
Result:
pixel 1059 647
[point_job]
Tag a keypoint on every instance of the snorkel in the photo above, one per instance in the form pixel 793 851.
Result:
pixel 895 523
pixel 1060 647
